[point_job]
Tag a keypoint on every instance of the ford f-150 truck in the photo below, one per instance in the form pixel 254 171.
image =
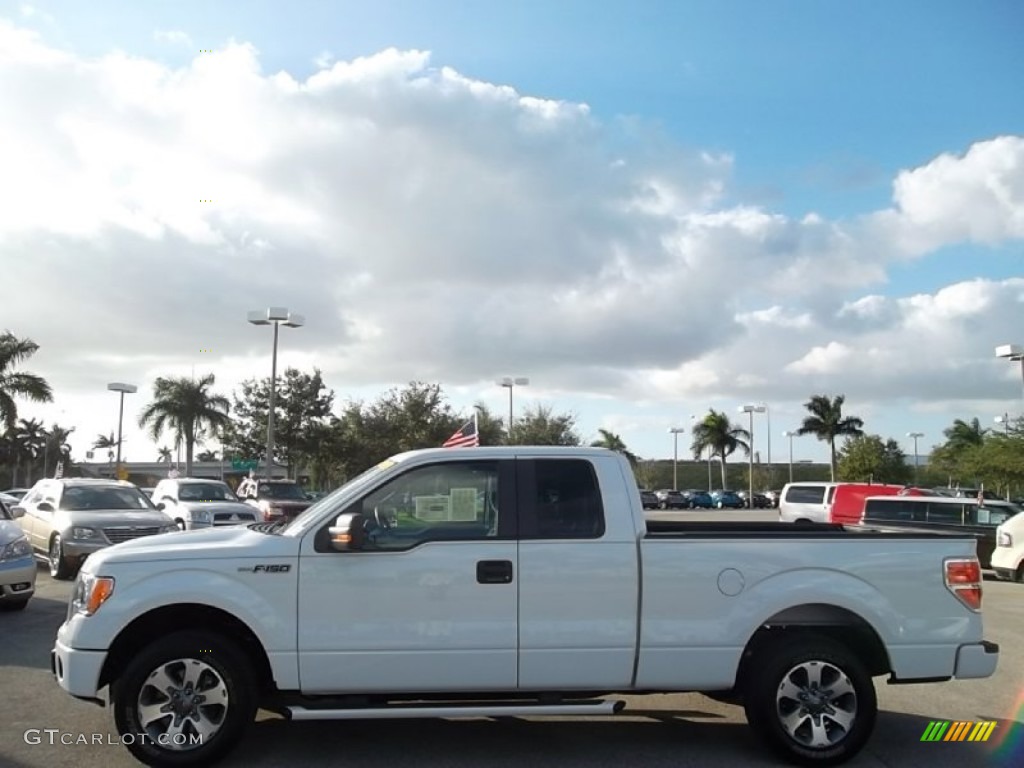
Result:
pixel 512 581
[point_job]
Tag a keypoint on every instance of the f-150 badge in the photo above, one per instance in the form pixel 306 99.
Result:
pixel 267 569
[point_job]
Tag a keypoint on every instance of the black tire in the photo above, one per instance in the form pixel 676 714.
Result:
pixel 59 567
pixel 217 669
pixel 1019 576
pixel 780 674
pixel 180 523
pixel 14 605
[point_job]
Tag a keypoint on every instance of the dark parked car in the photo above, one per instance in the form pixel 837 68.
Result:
pixel 760 500
pixel 697 499
pixel 649 499
pixel 671 499
pixel 727 500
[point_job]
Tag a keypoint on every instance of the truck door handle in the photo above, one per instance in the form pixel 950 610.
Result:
pixel 494 571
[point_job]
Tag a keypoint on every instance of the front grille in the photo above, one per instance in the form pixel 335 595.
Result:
pixel 234 517
pixel 117 535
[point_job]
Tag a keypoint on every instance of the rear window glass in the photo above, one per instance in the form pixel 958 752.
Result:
pixel 805 494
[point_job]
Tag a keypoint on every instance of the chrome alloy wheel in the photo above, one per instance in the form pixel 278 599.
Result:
pixel 182 704
pixel 816 704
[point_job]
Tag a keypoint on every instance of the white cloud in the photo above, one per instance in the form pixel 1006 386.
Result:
pixel 432 226
pixel 976 197
pixel 172 37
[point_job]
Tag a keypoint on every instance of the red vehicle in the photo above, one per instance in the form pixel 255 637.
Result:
pixel 848 501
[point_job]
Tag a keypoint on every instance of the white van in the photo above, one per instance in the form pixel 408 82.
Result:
pixel 1008 556
pixel 806 502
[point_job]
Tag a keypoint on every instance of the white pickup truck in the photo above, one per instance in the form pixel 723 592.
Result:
pixel 513 581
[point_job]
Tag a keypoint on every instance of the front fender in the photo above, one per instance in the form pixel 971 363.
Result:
pixel 265 603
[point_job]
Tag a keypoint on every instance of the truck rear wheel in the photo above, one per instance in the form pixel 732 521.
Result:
pixel 811 700
pixel 185 699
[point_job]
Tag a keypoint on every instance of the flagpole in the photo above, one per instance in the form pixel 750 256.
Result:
pixel 476 427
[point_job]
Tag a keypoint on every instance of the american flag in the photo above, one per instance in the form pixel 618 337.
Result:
pixel 466 437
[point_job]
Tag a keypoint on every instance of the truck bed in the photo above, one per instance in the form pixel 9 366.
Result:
pixel 668 529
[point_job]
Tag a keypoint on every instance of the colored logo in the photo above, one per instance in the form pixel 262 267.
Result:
pixel 965 730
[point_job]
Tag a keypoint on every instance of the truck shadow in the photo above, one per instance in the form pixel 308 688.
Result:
pixel 22 630
pixel 637 737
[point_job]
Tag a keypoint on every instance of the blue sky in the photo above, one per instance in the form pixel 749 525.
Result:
pixel 819 107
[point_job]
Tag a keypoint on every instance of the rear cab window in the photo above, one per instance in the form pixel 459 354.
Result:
pixel 559 499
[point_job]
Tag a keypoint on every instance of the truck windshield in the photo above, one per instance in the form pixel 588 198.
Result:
pixel 206 492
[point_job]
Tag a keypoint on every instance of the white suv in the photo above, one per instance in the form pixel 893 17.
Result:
pixel 806 502
pixel 194 502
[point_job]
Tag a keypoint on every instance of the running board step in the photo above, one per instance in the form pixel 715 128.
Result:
pixel 492 710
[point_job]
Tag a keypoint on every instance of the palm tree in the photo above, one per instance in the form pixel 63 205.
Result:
pixel 613 442
pixel 106 441
pixel 206 456
pixel 963 435
pixel 827 422
pixel 57 444
pixel 29 441
pixel 720 437
pixel 18 384
pixel 187 407
pixel 164 454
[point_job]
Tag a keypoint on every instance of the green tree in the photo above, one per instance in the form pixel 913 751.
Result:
pixel 826 422
pixel 719 437
pixel 540 425
pixel 57 448
pixel 957 456
pixel 302 402
pixel 14 384
pixel 870 459
pixel 187 407
pixel 164 454
pixel 28 438
pixel 614 442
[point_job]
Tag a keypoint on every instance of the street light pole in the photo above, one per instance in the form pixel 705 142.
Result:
pixel 750 410
pixel 124 389
pixel 276 316
pixel 790 435
pixel 510 382
pixel 675 456
pixel 1013 353
pixel 1005 421
pixel 768 421
pixel 915 435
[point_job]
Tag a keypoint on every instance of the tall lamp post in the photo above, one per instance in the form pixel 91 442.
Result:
pixel 915 436
pixel 1014 353
pixel 750 410
pixel 790 435
pixel 511 382
pixel 675 431
pixel 124 389
pixel 768 420
pixel 1005 421
pixel 275 316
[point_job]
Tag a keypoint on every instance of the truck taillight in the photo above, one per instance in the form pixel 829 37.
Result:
pixel 963 579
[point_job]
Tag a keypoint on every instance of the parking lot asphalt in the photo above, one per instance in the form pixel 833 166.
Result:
pixel 677 731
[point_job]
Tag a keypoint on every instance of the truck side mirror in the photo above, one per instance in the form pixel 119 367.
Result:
pixel 17 512
pixel 348 534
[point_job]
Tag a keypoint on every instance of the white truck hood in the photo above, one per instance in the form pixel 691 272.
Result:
pixel 203 544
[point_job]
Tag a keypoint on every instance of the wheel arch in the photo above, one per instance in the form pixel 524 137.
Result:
pixel 156 623
pixel 839 624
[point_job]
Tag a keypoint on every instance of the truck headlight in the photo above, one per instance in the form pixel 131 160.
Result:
pixel 90 593
pixel 201 516
pixel 1004 539
pixel 83 533
pixel 170 528
pixel 16 550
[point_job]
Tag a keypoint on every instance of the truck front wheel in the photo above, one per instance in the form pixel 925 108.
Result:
pixel 811 700
pixel 185 699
